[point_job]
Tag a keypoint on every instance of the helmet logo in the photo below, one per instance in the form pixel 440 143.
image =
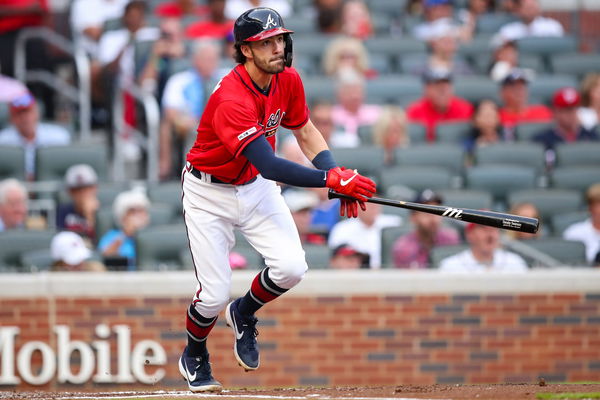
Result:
pixel 270 22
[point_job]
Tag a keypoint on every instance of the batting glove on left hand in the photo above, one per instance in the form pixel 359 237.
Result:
pixel 350 183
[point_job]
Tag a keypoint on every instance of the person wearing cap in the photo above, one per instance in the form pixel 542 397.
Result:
pixel 70 253
pixel 514 93
pixel 442 41
pixel 412 251
pixel 215 26
pixel 345 256
pixel 130 210
pixel 438 104
pixel 483 255
pixel 531 23
pixel 301 203
pixel 27 132
pixel 436 12
pixel 588 231
pixel 79 215
pixel 567 128
pixel 14 204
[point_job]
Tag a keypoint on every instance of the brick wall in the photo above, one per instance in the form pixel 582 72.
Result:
pixel 355 339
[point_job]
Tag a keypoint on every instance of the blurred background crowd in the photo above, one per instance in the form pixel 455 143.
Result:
pixel 485 104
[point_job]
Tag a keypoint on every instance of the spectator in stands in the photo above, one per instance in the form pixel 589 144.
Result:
pixel 326 213
pixel 588 231
pixel 364 233
pixel 590 101
pixel 351 112
pixel 27 132
pixel 329 16
pixel 183 102
pixel 79 215
pixel 531 23
pixel 442 40
pixel 484 254
pixel 486 126
pixel 356 20
pixel 390 132
pixel 468 16
pixel 346 52
pixel 216 26
pixel 347 257
pixel 235 8
pixel 436 12
pixel 301 203
pixel 528 210
pixel 516 109
pixel 180 9
pixel 70 254
pixel 505 58
pixel 566 128
pixel 321 114
pixel 88 18
pixel 439 104
pixel 13 204
pixel 130 210
pixel 412 251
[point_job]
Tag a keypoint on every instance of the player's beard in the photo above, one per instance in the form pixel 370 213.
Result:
pixel 269 66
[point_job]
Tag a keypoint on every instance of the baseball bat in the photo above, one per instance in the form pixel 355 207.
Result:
pixel 489 218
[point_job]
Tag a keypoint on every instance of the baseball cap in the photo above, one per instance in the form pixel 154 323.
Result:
pixel 69 248
pixel 80 175
pixel 431 3
pixel 437 75
pixel 428 196
pixel 566 97
pixel 125 201
pixel 346 250
pixel 516 75
pixel 298 200
pixel 22 102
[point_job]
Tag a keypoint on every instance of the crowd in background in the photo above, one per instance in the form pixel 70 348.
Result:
pixel 178 50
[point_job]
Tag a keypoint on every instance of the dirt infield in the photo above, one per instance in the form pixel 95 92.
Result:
pixel 454 392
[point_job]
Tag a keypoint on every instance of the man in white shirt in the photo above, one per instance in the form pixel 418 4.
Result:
pixel 13 204
pixel 588 231
pixel 484 254
pixel 364 233
pixel 531 23
pixel 27 132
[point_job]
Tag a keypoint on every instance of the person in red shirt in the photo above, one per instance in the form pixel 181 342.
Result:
pixel 217 26
pixel 439 104
pixel 179 9
pixel 514 94
pixel 229 183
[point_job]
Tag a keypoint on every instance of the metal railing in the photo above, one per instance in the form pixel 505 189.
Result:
pixel 80 95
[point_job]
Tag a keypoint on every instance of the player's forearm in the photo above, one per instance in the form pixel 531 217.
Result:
pixel 310 140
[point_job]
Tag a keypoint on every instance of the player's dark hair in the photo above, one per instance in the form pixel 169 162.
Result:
pixel 238 55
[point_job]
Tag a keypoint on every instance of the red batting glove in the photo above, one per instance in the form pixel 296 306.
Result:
pixel 350 207
pixel 350 183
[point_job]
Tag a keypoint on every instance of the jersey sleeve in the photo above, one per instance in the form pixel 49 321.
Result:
pixel 236 126
pixel 297 110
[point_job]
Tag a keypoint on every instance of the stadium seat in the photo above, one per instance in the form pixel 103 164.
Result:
pixel 548 201
pixel 53 162
pixel 365 133
pixel 578 177
pixel 492 22
pixel 381 63
pixel 575 63
pixel 317 256
pixel 382 22
pixel 393 46
pixel 544 86
pixel 438 253
pixel 481 63
pixel 36 260
pixel 417 133
pixel 368 160
pixel 475 89
pixel 167 193
pixel 12 162
pixel 319 88
pixel 415 178
pixel 499 179
pixel 392 89
pixel 311 45
pixel 452 132
pixel 445 155
pixel 159 247
pixel 411 63
pixel 527 154
pixel 301 25
pixel 526 131
pixel 546 46
pixel 388 238
pixel 568 252
pixel 4 116
pixel 466 198
pixel 393 8
pixel 107 191
pixel 477 46
pixel 578 154
pixel 562 221
pixel 16 242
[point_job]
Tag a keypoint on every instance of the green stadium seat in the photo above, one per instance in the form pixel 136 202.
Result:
pixel 317 256
pixel 525 132
pixel 445 155
pixel 475 89
pixel 415 178
pixel 393 46
pixel 36 260
pixel 417 133
pixel 12 162
pixel 318 88
pixel 527 154
pixel 301 25
pixel 159 247
pixel 500 179
pixel 438 253
pixel 548 201
pixel 381 63
pixel 107 191
pixel 53 162
pixel 562 221
pixel 544 86
pixel 392 89
pixel 16 242
pixel 547 45
pixel 575 63
pixel 568 252
pixel 476 47
pixel 4 116
pixel 368 160
pixel 166 193
pixel 452 132
pixel 492 22
pixel 467 198
pixel 392 8
pixel 388 238
pixel 577 177
pixel 578 154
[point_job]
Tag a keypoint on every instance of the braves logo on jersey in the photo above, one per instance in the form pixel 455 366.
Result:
pixel 273 122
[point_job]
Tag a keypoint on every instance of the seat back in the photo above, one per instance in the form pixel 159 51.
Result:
pixel 12 162
pixel 578 154
pixel 438 253
pixel 568 252
pixel 527 154
pixel 576 177
pixel 13 243
pixel 562 221
pixel 415 178
pixel 549 202
pixel 368 160
pixel 452 132
pixel 159 247
pixel 317 256
pixel 499 179
pixel 445 155
pixel 389 236
pixel 53 162
pixel 166 193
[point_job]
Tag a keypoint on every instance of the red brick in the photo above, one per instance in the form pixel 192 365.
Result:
pixel 567 297
pixel 449 356
pixel 362 300
pixel 419 309
pixel 432 299
pixel 552 308
pixel 532 298
pixel 503 321
pixel 123 301
pixel 485 309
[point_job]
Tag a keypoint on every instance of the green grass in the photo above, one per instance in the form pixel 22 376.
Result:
pixel 565 396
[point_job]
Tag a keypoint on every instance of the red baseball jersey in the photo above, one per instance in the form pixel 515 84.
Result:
pixel 236 113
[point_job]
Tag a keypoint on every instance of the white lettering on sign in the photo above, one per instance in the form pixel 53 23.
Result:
pixel 131 363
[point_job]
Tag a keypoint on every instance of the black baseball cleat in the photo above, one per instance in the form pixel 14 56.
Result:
pixel 197 372
pixel 245 346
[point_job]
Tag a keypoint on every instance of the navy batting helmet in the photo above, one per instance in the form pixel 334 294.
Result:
pixel 261 23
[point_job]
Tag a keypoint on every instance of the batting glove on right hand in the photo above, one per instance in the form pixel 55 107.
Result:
pixel 350 183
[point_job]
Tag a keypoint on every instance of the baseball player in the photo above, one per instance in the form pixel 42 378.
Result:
pixel 230 182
